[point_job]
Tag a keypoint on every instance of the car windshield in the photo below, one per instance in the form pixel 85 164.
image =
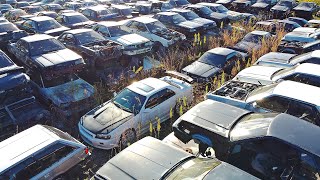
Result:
pixel 59 80
pixel 305 4
pixel 285 3
pixel 19 13
pixel 190 15
pixel 77 19
pixel 176 19
pixel 222 9
pixel 126 12
pixel 88 37
pixel 116 31
pixel 262 90
pixel 213 59
pixel 206 10
pixel 103 12
pixel 167 5
pixel 48 25
pixel 196 168
pixel 45 46
pixel 253 38
pixel 129 100
pixel 5 61
pixel 6 27
pixel 156 26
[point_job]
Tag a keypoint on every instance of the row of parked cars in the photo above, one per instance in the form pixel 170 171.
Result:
pixel 260 124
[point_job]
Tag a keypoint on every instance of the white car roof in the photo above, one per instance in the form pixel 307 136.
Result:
pixel 298 91
pixel 315 54
pixel 209 4
pixel 145 20
pixel 258 72
pixel 305 29
pixel 24 144
pixel 308 68
pixel 109 23
pixel 147 86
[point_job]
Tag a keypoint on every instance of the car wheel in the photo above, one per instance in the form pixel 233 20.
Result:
pixel 128 137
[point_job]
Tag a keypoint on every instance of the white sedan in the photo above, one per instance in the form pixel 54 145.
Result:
pixel 117 122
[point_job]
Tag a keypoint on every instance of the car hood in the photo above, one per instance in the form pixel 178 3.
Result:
pixel 70 92
pixel 203 21
pixel 201 69
pixel 56 57
pixel 151 153
pixel 305 29
pixel 189 25
pixel 217 15
pixel 131 39
pixel 257 74
pixel 303 8
pixel 57 31
pixel 280 8
pixel 247 46
pixel 105 118
pixel 260 5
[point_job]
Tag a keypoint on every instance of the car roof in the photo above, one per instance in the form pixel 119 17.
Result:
pixel 109 23
pixel 167 13
pixel 289 129
pixel 144 19
pixel 24 144
pixel 41 18
pixel 221 51
pixel 97 8
pixel 308 68
pixel 214 116
pixel 298 91
pixel 120 6
pixel 261 33
pixel 315 54
pixel 76 31
pixel 71 14
pixel 153 84
pixel 276 55
pixel 265 22
pixel 36 37
pixel 210 4
pixel 147 153
pixel 180 10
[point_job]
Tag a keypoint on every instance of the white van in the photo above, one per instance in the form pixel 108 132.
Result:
pixel 40 152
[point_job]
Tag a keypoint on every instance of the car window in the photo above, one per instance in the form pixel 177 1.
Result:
pixel 303 111
pixel 159 97
pixel 274 103
pixel 104 31
pixel 43 160
pixel 303 78
pixel 28 24
pixel 307 168
pixel 86 13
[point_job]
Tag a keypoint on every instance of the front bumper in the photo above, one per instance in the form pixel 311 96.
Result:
pixel 136 51
pixel 90 138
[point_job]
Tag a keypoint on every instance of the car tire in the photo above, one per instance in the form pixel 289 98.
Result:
pixel 128 137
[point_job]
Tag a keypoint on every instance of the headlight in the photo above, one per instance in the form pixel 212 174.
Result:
pixel 130 47
pixel 192 30
pixel 103 136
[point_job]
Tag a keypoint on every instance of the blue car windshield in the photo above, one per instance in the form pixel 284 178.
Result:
pixel 77 19
pixel 190 15
pixel 48 25
pixel 116 31
pixel 182 2
pixel 129 101
pixel 126 12
pixel 37 48
pixel 88 37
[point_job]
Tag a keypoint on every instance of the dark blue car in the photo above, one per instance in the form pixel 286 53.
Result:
pixel 98 13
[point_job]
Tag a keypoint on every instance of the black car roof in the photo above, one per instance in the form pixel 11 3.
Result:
pixel 214 116
pixel 289 129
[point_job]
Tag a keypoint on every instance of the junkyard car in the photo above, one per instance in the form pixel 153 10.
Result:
pixel 132 43
pixel 40 152
pixel 51 14
pixel 122 12
pixel 192 16
pixel 205 12
pixel 74 20
pixel 243 5
pixel 98 13
pixel 252 41
pixel 269 146
pixel 18 107
pixel 177 22
pixel 299 101
pixel 5 7
pixel 9 33
pixel 73 5
pixel 92 46
pixel 219 8
pixel 154 30
pixel 13 14
pixel 32 9
pixel 43 25
pixel 283 8
pixel 118 121
pixel 52 7
pixel 212 63
pixel 262 6
pixel 294 42
pixel 52 68
pixel 306 10
pixel 302 22
pixel 288 60
pixel 166 162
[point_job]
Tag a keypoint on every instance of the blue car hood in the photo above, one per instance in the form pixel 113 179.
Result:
pixel 69 92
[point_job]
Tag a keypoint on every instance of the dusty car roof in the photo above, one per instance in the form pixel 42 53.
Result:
pixel 71 14
pixel 145 20
pixel 221 51
pixel 195 6
pixel 109 23
pixel 214 116
pixel 273 56
pixel 153 84
pixel 315 54
pixel 76 31
pixel 287 128
pixel 24 144
pixel 167 13
pixel 180 10
pixel 210 4
pixel 41 18
pixel 97 8
pixel 151 153
pixel 261 33
pixel 120 6
pixel 299 91
pixel 265 22
pixel 36 37
pixel 308 68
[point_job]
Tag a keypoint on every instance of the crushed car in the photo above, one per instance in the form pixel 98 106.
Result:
pixel 149 101
pixel 52 68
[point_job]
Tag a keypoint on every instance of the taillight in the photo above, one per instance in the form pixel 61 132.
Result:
pixel 86 150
